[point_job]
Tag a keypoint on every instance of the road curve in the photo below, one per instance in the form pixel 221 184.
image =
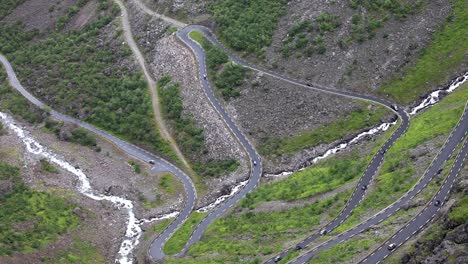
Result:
pixel 424 216
pixel 129 148
pixel 456 136
pixel 371 169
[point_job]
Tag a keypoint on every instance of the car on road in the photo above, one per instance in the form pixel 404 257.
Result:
pixel 204 76
pixel 440 170
pixel 309 84
pixel 151 161
pixel 323 232
pixel 298 247
pixel 395 107
pixel 364 187
pixel 254 162
pixel 437 202
pixel 277 259
pixel 392 246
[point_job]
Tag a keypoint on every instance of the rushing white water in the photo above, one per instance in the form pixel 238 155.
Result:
pixel 133 231
pixel 383 127
pixel 223 197
pixel 434 97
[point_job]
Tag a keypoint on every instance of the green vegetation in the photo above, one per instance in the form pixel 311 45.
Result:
pixel 197 36
pixel 167 182
pixel 239 238
pixel 395 177
pixel 157 228
pixel 15 103
pixel 30 220
pixel 323 177
pixel 70 74
pixel 47 167
pixel 215 168
pixel 6 6
pixel 136 166
pixel 248 25
pixel 324 134
pixel 187 133
pixel 226 75
pixel 459 213
pixel 241 235
pixel 72 11
pixel 344 251
pixel 309 36
pixel 437 61
pixel 79 252
pixel 181 236
pixel 73 134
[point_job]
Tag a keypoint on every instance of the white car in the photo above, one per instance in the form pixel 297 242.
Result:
pixel 323 232
pixel 151 161
pixel 204 76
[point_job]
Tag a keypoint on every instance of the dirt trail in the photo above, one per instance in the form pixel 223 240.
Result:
pixel 145 9
pixel 151 83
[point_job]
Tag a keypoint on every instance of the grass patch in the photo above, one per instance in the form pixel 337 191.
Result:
pixel 30 220
pixel 324 134
pixel 181 236
pixel 248 25
pixel 226 75
pixel 79 252
pixel 47 167
pixel 395 177
pixel 157 228
pixel 167 182
pixel 241 234
pixel 459 213
pixel 197 35
pixel 321 178
pixel 136 166
pixel 437 61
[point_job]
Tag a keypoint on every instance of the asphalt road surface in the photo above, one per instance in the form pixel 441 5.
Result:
pixel 358 194
pixel 445 152
pixel 424 216
pixel 129 148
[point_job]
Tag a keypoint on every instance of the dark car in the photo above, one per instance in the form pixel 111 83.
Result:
pixel 391 246
pixel 151 161
pixel 298 247
pixel 437 202
pixel 364 187
pixel 395 107
pixel 309 84
pixel 440 170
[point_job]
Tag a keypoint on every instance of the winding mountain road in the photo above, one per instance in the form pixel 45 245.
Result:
pixel 129 148
pixel 358 194
pixel 456 136
pixel 426 215
pixel 155 250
